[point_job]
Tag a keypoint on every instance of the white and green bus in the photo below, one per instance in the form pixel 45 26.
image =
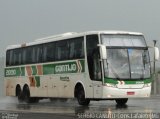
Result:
pixel 94 65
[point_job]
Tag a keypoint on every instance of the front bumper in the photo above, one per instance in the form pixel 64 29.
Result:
pixel 111 92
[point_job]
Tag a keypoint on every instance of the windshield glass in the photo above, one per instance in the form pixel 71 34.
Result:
pixel 127 64
pixel 119 40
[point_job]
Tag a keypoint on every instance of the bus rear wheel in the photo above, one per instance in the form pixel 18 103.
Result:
pixel 27 98
pixel 26 94
pixel 81 97
pixel 121 101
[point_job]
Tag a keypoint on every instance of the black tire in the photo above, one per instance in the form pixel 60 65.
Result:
pixel 19 95
pixel 122 101
pixel 26 94
pixel 27 98
pixel 81 97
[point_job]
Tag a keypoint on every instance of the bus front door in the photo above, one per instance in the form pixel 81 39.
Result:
pixel 97 76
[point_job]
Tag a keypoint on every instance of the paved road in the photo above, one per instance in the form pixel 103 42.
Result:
pixel 135 108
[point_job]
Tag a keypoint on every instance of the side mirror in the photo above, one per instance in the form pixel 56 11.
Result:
pixel 156 51
pixel 103 51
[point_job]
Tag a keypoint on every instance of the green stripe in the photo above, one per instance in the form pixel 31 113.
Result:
pixel 34 70
pixel 48 69
pixel 37 78
pixel 17 71
pixel 111 81
pixel 115 81
pixel 83 64
pixel 22 71
pixel 54 68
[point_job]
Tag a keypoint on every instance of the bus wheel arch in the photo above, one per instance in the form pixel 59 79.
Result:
pixel 79 93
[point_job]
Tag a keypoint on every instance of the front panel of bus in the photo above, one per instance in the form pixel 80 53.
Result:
pixel 127 71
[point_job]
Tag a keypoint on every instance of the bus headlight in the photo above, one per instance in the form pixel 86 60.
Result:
pixel 110 85
pixel 147 85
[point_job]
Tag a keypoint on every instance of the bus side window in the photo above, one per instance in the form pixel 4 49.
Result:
pixel 49 52
pixel 29 53
pixel 91 44
pixel 17 55
pixel 24 55
pixel 76 50
pixel 8 58
pixel 37 54
pixel 62 50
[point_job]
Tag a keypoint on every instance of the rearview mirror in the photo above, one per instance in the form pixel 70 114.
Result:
pixel 103 51
pixel 156 51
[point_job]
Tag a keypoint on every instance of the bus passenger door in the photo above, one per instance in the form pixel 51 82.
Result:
pixel 94 65
pixel 97 76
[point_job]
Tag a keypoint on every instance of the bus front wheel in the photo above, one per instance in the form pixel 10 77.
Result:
pixel 122 101
pixel 81 97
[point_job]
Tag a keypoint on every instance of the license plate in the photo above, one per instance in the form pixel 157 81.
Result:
pixel 130 93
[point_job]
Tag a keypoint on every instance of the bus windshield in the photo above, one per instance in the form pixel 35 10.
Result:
pixel 123 40
pixel 127 64
pixel 127 56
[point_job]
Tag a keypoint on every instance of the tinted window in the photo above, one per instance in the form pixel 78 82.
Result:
pixel 24 55
pixel 76 48
pixel 54 51
pixel 62 50
pixel 28 55
pixel 91 44
pixel 37 54
pixel 9 58
pixel 49 52
pixel 17 56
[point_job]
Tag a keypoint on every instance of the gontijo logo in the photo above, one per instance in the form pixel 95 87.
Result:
pixel 65 68
pixel 69 67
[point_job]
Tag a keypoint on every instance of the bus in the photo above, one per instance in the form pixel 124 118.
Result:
pixel 92 65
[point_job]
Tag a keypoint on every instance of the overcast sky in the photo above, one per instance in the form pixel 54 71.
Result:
pixel 26 20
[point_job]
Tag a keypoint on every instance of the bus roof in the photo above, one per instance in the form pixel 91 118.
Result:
pixel 68 35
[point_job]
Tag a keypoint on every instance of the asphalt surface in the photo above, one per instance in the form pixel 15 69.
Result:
pixel 140 108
